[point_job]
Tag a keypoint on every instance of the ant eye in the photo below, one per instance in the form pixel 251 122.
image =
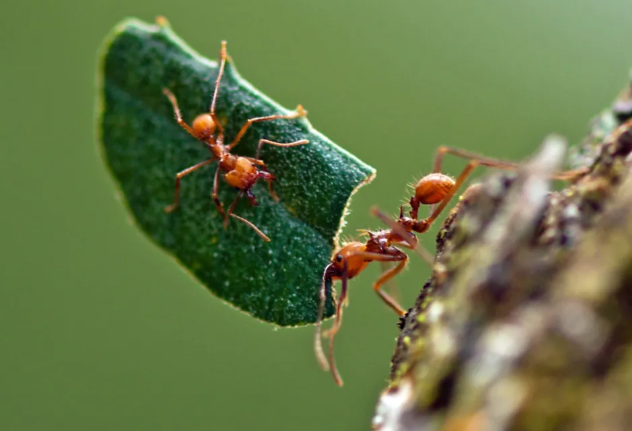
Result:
pixel 339 258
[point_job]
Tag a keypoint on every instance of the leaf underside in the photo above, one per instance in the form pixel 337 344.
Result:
pixel 144 148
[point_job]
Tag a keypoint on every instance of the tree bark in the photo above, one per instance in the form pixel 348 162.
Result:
pixel 526 322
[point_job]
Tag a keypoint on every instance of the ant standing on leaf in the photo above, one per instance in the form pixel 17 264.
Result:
pixel 352 258
pixel 241 173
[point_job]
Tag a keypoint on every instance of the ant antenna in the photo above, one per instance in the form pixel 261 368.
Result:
pixel 318 343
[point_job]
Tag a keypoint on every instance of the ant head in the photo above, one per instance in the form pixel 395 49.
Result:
pixel 203 126
pixel 346 260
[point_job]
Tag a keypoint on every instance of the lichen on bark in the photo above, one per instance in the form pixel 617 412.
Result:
pixel 525 322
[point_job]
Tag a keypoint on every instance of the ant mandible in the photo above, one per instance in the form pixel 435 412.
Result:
pixel 240 172
pixel 352 258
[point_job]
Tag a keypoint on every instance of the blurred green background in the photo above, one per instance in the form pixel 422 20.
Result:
pixel 100 330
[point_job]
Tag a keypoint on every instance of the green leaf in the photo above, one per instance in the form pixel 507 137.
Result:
pixel 144 148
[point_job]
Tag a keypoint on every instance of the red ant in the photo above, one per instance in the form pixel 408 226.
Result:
pixel 348 262
pixel 352 258
pixel 240 172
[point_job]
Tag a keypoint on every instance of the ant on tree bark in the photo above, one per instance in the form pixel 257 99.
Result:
pixel 433 189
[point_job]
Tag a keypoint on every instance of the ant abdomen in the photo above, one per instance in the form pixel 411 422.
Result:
pixel 432 188
pixel 242 175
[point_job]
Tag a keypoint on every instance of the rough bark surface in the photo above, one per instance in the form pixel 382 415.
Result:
pixel 526 322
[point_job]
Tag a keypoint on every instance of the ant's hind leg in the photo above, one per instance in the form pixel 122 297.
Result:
pixel 255 228
pixel 243 220
pixel 464 154
pixel 179 175
pixel 569 175
pixel 232 208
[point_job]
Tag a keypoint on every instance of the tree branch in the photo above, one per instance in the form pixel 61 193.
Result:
pixel 525 323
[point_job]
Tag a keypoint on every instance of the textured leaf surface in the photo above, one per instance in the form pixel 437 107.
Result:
pixel 144 148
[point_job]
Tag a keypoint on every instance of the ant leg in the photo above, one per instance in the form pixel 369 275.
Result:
pixel 278 144
pixel 261 163
pixel 392 272
pixel 409 240
pixel 255 228
pixel 241 219
pixel 218 203
pixel 497 163
pixel 397 256
pixel 187 171
pixel 464 154
pixel 270 179
pixel 271 190
pixel 223 56
pixel 391 286
pixel 233 205
pixel 299 112
pixel 176 111
pixel 569 175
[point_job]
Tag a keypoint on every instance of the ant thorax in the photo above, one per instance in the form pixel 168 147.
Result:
pixel 227 161
pixel 378 240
